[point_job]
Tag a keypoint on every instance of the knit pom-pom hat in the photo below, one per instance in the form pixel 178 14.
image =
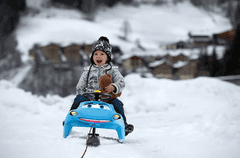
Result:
pixel 103 45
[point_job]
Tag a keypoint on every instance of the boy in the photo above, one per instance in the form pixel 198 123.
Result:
pixel 100 64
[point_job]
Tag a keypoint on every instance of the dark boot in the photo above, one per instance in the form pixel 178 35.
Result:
pixel 128 129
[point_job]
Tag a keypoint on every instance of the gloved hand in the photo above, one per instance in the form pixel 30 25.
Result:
pixel 109 88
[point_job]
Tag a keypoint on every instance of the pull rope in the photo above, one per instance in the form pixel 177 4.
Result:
pixel 87 141
pixel 88 76
pixel 106 71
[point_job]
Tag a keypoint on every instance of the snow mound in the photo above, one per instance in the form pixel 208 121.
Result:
pixel 21 100
pixel 210 103
pixel 161 94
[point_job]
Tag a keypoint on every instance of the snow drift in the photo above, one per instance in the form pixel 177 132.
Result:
pixel 193 118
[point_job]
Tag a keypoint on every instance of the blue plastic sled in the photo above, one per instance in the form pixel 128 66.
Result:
pixel 99 113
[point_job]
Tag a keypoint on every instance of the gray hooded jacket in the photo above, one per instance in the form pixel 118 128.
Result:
pixel 95 72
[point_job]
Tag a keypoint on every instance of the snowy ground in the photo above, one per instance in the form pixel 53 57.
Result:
pixel 154 26
pixel 197 118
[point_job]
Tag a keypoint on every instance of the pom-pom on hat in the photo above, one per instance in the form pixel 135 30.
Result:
pixel 103 45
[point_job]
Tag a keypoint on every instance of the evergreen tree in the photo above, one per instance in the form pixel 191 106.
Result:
pixel 196 2
pixel 213 63
pixel 9 15
pixel 231 57
pixel 237 16
pixel 202 65
pixel 72 3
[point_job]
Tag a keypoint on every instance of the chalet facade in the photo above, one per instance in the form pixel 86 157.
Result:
pixel 52 52
pixel 175 67
pixel 198 41
pixel 177 45
pixel 187 71
pixel 87 48
pixel 224 38
pixel 72 53
pixel 133 63
pixel 163 70
pixel 174 59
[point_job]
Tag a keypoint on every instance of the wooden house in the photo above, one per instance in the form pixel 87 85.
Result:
pixel 35 52
pixel 136 61
pixel 88 49
pixel 177 45
pixel 127 65
pixel 169 46
pixel 52 52
pixel 224 38
pixel 31 54
pixel 163 70
pixel 72 53
pixel 181 45
pixel 198 41
pixel 174 59
pixel 133 63
pixel 187 71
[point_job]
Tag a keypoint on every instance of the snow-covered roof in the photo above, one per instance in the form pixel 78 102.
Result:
pixel 180 64
pixel 157 62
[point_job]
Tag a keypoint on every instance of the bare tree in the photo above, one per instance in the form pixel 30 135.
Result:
pixel 126 29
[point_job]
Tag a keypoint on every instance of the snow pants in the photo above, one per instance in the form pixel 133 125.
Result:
pixel 117 104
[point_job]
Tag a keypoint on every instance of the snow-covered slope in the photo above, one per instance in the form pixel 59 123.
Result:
pixel 181 119
pixel 152 25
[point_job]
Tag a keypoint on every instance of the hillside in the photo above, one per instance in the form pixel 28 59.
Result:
pixel 152 26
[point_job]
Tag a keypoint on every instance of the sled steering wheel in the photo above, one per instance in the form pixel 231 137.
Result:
pixel 97 96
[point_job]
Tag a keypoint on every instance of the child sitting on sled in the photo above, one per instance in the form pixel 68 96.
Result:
pixel 89 81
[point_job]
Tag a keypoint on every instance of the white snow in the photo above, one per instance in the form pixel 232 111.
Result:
pixel 180 64
pixel 20 74
pixel 181 119
pixel 157 62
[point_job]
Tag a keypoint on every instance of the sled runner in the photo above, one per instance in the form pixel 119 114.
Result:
pixel 96 114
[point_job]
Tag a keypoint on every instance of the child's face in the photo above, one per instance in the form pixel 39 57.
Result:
pixel 100 58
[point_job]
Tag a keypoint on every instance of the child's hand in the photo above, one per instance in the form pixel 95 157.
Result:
pixel 109 88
